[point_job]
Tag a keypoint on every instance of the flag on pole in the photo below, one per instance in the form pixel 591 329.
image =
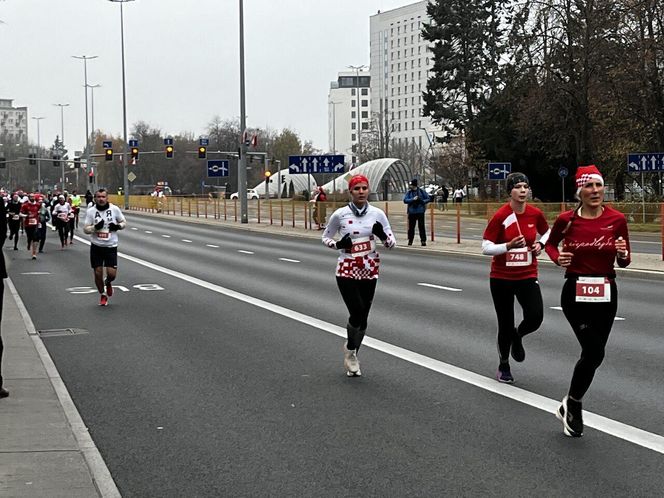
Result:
pixel 245 137
pixel 510 220
pixel 254 140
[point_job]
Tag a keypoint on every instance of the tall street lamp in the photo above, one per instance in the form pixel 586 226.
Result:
pixel 85 59
pixel 62 138
pixel 38 154
pixel 125 159
pixel 92 111
pixel 357 70
pixel 242 168
pixel 334 126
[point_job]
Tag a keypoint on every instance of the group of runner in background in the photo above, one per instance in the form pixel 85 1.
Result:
pixel 29 214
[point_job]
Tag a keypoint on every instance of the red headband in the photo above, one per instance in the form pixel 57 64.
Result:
pixel 357 179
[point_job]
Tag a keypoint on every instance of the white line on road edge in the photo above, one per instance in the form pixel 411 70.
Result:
pixel 245 252
pixel 36 273
pixel 100 474
pixel 433 286
pixel 614 428
pixel 558 308
pixel 212 245
pixel 290 260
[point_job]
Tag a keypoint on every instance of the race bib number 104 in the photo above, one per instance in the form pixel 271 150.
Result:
pixel 593 290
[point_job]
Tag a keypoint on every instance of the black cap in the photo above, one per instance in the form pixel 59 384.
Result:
pixel 413 182
pixel 514 178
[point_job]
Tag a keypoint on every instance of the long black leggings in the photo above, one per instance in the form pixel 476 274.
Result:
pixel 14 225
pixel 63 230
pixel 592 324
pixel 529 296
pixel 358 296
pixel 2 294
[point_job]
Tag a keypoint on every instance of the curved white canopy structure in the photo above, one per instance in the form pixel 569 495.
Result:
pixel 386 176
pixel 283 179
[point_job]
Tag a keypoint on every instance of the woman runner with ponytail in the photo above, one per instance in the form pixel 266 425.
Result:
pixel 359 224
pixel 594 237
pixel 510 239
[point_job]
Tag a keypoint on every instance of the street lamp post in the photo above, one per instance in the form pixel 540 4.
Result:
pixel 359 122
pixel 38 154
pixel 85 59
pixel 125 158
pixel 92 120
pixel 242 167
pixel 62 139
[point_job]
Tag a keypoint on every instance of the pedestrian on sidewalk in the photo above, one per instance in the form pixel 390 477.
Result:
pixel 3 275
pixel 358 224
pixel 510 237
pixel 102 222
pixel 594 238
pixel 417 199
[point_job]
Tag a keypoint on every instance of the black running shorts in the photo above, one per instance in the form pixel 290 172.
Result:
pixel 103 256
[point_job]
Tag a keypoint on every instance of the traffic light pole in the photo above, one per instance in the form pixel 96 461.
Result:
pixel 242 168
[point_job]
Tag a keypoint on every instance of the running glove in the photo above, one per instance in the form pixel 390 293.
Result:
pixel 99 225
pixel 345 242
pixel 378 231
pixel 113 227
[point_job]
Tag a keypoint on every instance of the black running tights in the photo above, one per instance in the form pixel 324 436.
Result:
pixel 592 324
pixel 529 296
pixel 358 296
pixel 2 293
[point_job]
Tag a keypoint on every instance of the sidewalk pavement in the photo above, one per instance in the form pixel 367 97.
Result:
pixel 45 449
pixel 641 262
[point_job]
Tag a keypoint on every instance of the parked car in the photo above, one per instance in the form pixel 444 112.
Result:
pixel 251 194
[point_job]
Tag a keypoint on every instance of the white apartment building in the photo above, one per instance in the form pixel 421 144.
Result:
pixel 13 123
pixel 349 110
pixel 400 63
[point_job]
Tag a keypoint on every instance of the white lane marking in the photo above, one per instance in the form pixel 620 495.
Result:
pixel 442 287
pixel 212 245
pixel 187 241
pixel 245 252
pixel 166 236
pixel 558 308
pixel 290 260
pixel 609 426
pixel 36 273
pixel 134 228
pixel 148 231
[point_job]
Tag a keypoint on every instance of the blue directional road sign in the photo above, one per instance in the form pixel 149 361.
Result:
pixel 315 164
pixel 107 144
pixel 217 167
pixel 499 171
pixel 133 143
pixel 168 141
pixel 203 142
pixel 646 161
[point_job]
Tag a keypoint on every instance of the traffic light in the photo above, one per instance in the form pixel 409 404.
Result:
pixel 134 153
pixel 202 152
pixel 77 162
pixel 267 177
pixel 32 161
pixel 169 152
pixel 108 154
pixel 56 161
pixel 3 164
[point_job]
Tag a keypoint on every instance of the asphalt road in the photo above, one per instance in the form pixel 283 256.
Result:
pixel 216 371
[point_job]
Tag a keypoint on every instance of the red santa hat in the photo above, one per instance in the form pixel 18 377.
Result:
pixel 585 174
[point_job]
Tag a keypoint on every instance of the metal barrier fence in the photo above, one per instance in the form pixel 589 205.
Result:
pixel 454 221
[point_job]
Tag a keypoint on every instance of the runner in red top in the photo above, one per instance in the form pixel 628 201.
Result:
pixel 594 237
pixel 30 214
pixel 511 238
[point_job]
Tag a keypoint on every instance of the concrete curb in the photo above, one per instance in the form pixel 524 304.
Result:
pixel 99 472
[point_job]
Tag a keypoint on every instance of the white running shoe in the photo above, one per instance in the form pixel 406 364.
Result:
pixel 351 363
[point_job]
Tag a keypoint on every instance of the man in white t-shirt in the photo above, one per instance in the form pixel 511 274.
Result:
pixel 102 222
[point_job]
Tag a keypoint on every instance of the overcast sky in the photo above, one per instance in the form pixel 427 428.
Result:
pixel 182 62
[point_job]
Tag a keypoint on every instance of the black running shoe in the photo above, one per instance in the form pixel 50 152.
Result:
pixel 3 392
pixel 569 413
pixel 518 353
pixel 504 375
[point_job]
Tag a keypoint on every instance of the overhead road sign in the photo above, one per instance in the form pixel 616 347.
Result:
pixel 168 141
pixel 316 164
pixel 499 171
pixel 203 141
pixel 645 161
pixel 217 167
pixel 133 143
pixel 107 144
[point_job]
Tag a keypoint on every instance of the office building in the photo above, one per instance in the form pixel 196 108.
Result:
pixel 13 123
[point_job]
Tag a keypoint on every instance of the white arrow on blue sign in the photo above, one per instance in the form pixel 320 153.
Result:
pixel 646 161
pixel 217 168
pixel 316 164
pixel 499 171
